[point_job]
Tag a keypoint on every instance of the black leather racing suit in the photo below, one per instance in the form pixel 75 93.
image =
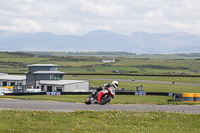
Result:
pixel 101 88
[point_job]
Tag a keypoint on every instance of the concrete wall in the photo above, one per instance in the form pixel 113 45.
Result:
pixel 30 79
pixel 82 86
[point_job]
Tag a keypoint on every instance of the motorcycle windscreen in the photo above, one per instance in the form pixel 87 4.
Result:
pixel 112 91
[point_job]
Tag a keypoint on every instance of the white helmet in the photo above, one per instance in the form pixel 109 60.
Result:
pixel 115 84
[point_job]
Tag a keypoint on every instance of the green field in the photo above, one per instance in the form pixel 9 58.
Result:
pixel 15 62
pixel 195 80
pixel 151 87
pixel 120 54
pixel 88 121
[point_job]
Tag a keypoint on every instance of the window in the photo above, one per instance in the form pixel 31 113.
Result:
pixel 12 83
pixel 5 83
pixel 56 77
pixel 60 77
pixel 51 77
pixel 59 89
pixel 53 69
pixel 49 88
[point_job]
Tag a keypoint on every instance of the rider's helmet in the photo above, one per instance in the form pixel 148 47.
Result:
pixel 115 84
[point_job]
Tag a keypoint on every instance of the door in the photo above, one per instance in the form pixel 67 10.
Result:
pixel 49 88
pixel 42 88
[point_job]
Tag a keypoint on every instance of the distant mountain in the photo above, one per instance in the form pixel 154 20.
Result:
pixel 102 40
pixel 167 43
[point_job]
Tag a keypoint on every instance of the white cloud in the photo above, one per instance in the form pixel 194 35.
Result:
pixel 61 27
pixel 22 25
pixel 82 16
pixel 109 9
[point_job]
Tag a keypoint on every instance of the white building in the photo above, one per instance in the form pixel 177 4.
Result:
pixel 64 85
pixel 108 60
pixel 47 78
pixel 43 77
pixel 11 80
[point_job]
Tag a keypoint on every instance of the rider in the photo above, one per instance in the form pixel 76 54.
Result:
pixel 114 84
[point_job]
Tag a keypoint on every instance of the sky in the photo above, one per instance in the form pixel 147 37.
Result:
pixel 79 17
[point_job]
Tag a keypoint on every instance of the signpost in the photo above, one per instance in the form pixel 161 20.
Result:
pixel 140 91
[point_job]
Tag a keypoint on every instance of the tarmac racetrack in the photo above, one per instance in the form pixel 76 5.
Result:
pixel 14 104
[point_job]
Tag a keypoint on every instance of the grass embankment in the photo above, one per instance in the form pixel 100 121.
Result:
pixel 88 121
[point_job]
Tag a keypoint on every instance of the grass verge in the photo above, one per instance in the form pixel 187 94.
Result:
pixel 89 121
pixel 119 99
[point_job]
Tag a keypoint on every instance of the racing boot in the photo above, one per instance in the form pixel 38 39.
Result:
pixel 94 93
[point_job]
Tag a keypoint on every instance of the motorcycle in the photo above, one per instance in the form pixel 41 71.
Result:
pixel 102 97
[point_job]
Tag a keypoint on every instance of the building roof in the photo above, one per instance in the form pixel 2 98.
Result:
pixel 60 82
pixel 3 74
pixel 48 72
pixel 41 65
pixel 12 77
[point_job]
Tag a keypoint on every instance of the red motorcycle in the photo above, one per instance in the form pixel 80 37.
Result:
pixel 102 97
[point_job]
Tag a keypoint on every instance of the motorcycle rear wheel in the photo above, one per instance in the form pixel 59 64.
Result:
pixel 105 99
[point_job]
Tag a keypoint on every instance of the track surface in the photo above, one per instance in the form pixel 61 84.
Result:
pixel 141 81
pixel 14 104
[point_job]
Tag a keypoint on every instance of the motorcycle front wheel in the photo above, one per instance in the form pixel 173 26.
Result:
pixel 87 100
pixel 104 99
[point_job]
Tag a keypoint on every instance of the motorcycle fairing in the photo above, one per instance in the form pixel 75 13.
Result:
pixel 100 94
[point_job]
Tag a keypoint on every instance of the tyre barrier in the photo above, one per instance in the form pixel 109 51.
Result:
pixel 191 97
pixel 25 93
pixel 188 97
pixel 197 97
pixel 158 93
